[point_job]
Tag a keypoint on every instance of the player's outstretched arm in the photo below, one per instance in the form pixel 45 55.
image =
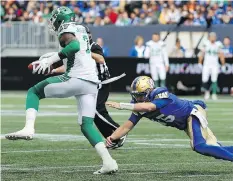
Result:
pixel 120 132
pixel 138 107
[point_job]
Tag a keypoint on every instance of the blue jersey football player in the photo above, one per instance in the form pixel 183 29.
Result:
pixel 158 105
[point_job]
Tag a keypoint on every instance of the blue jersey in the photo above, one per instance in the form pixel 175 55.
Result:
pixel 170 110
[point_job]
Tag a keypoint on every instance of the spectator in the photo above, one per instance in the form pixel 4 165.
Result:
pixel 163 18
pixel 100 42
pixel 138 49
pixel 98 21
pixel 178 51
pixel 227 48
pixel 173 15
pixel 123 19
pixel 10 15
pixel 199 19
pixel 134 19
pixel 78 15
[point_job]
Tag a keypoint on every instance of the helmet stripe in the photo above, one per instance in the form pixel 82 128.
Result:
pixel 135 83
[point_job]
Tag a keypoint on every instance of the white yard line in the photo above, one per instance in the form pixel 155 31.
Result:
pixel 8 167
pixel 74 113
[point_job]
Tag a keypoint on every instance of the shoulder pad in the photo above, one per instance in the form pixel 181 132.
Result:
pixel 67 28
pixel 159 93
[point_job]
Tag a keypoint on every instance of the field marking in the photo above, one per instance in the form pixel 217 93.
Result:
pixel 124 96
pixel 131 139
pixel 74 113
pixel 94 166
pixel 68 106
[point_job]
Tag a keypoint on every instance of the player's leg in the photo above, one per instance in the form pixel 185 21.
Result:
pixel 162 75
pixel 86 112
pixel 34 95
pixel 154 74
pixel 205 78
pixel 103 120
pixel 214 78
pixel 204 142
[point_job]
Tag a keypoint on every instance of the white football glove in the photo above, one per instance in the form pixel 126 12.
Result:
pixel 41 67
pixel 45 62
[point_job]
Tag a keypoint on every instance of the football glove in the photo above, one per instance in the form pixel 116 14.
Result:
pixel 44 63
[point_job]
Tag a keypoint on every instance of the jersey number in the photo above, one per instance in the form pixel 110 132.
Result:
pixel 164 119
pixel 86 39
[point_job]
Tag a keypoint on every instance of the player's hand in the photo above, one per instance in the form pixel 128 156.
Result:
pixel 113 104
pixel 40 66
pixel 166 68
pixel 109 142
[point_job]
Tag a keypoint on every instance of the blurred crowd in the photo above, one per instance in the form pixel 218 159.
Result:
pixel 123 12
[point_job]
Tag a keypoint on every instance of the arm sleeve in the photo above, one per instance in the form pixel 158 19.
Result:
pixel 95 48
pixel 70 49
pixel 134 118
pixel 160 103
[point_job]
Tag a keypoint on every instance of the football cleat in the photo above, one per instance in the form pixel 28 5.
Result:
pixel 108 168
pixel 207 95
pixel 24 134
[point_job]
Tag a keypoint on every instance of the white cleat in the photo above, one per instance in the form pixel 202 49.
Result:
pixel 214 97
pixel 24 134
pixel 108 168
pixel 207 95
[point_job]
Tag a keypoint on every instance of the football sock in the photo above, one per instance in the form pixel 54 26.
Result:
pixel 90 131
pixel 33 99
pixel 30 118
pixel 156 83
pixel 214 87
pixel 162 83
pixel 215 151
pixel 103 152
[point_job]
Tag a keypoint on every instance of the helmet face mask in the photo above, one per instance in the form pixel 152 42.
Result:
pixel 141 88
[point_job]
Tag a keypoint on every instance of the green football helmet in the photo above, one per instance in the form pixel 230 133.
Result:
pixel 59 16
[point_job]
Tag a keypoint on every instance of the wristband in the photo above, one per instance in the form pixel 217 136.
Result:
pixel 127 106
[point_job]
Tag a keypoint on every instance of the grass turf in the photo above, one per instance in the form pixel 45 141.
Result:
pixel 152 151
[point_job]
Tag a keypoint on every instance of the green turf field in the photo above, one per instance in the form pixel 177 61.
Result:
pixel 152 151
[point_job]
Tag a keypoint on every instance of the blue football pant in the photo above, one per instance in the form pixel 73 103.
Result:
pixel 204 142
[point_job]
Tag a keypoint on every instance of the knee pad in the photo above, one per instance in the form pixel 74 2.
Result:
pixel 33 90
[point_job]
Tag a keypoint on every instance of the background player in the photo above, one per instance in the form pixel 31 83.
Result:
pixel 211 51
pixel 79 80
pixel 161 106
pixel 158 59
pixel 103 120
